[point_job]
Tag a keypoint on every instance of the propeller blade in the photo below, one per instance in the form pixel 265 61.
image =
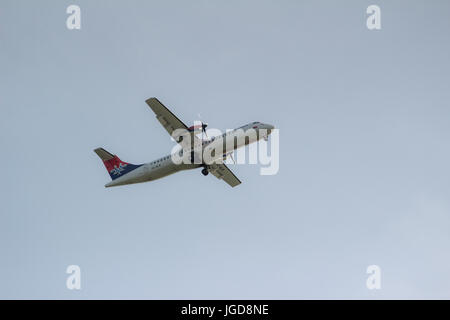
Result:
pixel 231 156
pixel 204 125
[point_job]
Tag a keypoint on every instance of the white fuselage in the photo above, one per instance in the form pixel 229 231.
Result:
pixel 226 143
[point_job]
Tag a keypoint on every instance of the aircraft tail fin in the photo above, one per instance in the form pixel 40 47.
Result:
pixel 116 167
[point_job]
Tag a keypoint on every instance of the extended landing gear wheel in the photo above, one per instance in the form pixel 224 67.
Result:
pixel 205 172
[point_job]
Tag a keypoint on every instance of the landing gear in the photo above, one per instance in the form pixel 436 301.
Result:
pixel 205 171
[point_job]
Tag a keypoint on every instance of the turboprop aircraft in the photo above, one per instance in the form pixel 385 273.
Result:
pixel 194 152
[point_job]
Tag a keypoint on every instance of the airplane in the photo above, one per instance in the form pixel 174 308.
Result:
pixel 123 173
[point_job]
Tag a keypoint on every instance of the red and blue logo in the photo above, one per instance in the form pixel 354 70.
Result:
pixel 118 168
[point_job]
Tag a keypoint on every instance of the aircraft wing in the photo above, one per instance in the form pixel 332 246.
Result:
pixel 221 171
pixel 170 122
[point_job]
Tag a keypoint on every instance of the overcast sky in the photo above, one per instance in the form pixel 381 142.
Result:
pixel 364 122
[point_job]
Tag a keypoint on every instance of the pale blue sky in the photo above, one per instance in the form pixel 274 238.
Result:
pixel 364 125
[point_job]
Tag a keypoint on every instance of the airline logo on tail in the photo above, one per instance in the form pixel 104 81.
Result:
pixel 117 167
pixel 118 170
pixel 114 165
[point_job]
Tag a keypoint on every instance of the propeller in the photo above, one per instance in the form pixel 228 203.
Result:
pixel 229 155
pixel 204 125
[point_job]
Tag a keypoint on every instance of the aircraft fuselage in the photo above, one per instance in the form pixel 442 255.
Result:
pixel 226 143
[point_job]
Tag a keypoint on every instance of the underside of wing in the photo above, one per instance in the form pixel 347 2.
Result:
pixel 170 122
pixel 221 171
